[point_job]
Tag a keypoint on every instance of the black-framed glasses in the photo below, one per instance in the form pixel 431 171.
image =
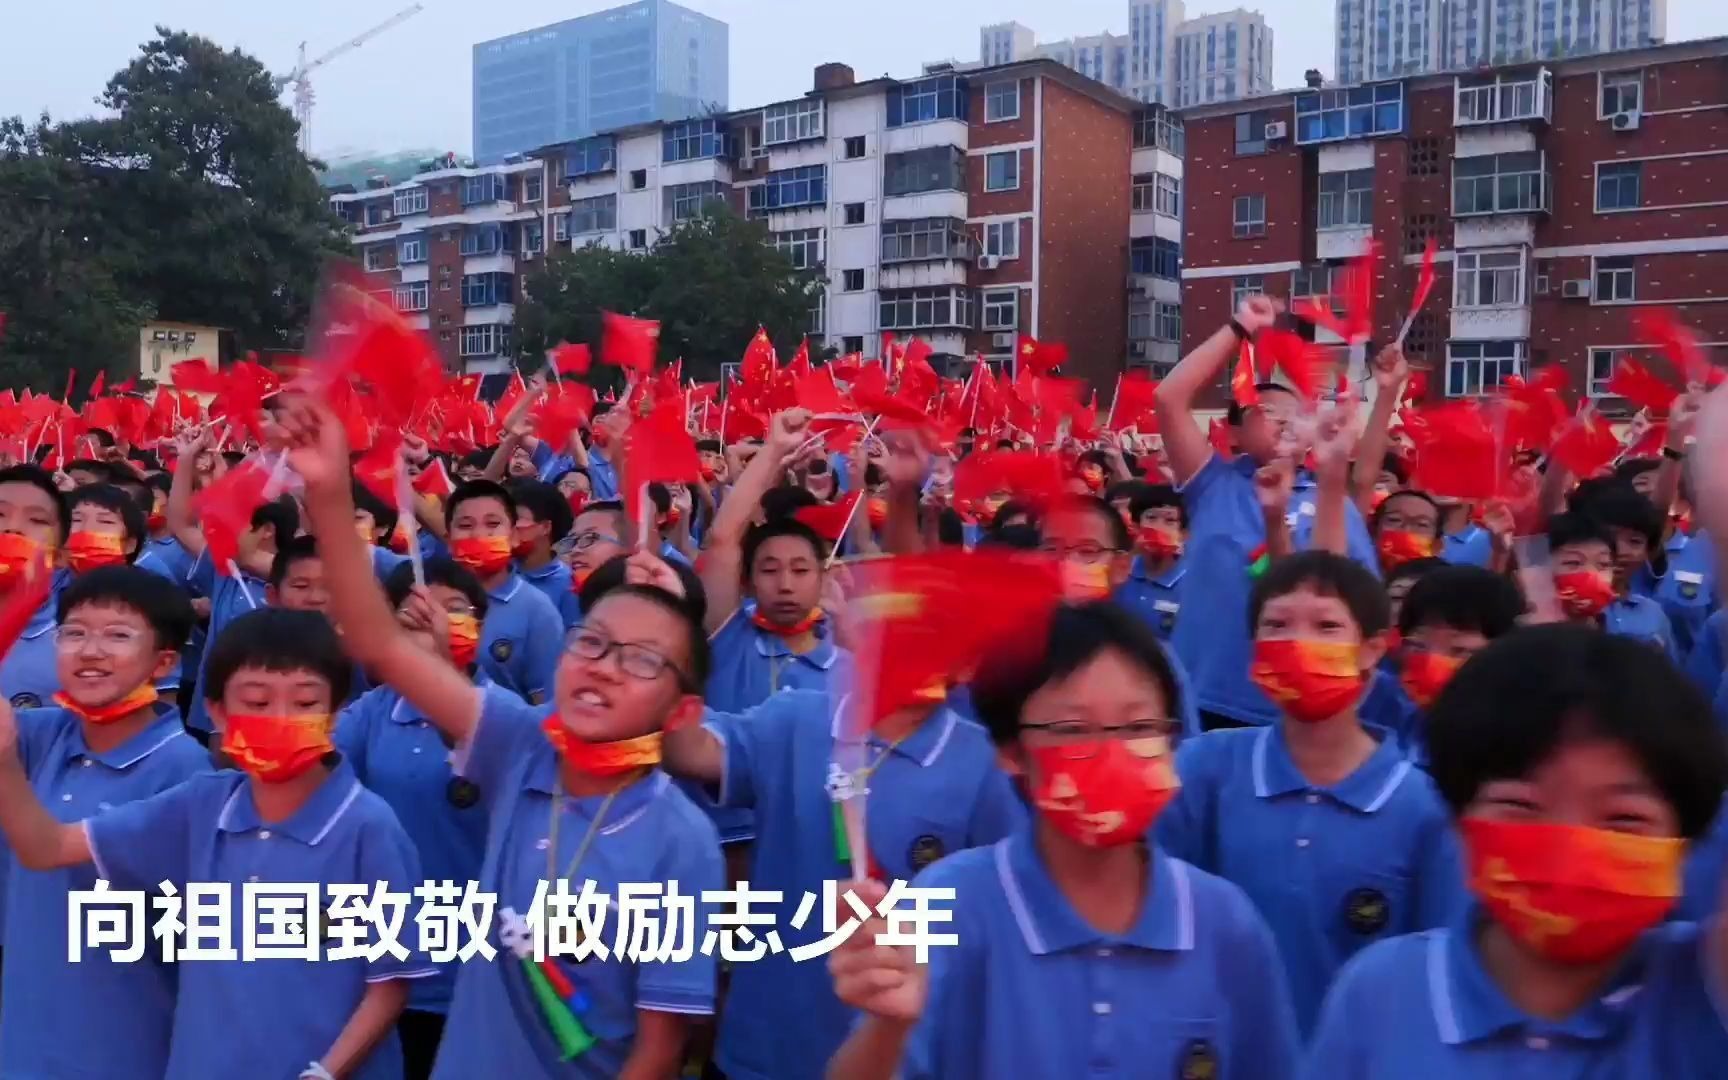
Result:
pixel 1076 739
pixel 1085 552
pixel 635 660
pixel 584 541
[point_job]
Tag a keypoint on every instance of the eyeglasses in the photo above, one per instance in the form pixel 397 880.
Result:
pixel 113 639
pixel 636 661
pixel 1077 740
pixel 586 540
pixel 1086 552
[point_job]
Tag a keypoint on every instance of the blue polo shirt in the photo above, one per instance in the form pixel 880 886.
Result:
pixel 938 791
pixel 1706 867
pixel 1332 869
pixel 521 640
pixel 1642 619
pixel 167 558
pixel 1225 526
pixel 29 675
pixel 46 1026
pixel 1033 990
pixel 1687 590
pixel 230 598
pixel 1708 659
pixel 651 835
pixel 266 1017
pixel 554 583
pixel 397 753
pixel 1156 600
pixel 1385 706
pixel 1424 1006
pixel 1471 546
pixel 602 475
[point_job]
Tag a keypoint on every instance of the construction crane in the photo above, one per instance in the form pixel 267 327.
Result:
pixel 303 68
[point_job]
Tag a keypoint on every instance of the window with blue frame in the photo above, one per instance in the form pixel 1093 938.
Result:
pixel 1156 256
pixel 1350 113
pixel 482 240
pixel 590 157
pixel 482 189
pixel 483 290
pixel 941 97
pixel 787 188
pixel 693 140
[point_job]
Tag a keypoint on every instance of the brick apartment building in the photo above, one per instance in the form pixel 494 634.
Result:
pixel 1565 197
pixel 962 208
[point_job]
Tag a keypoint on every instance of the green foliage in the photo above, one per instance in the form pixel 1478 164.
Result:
pixel 710 281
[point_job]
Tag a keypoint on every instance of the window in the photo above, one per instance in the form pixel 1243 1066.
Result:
pixel 852 280
pixel 412 201
pixel 1167 195
pixel 1001 309
pixel 916 309
pixel 483 290
pixel 1476 367
pixel 854 147
pixel 532 187
pixel 942 97
pixel 1622 91
pixel 924 238
pixel 692 140
pixel 1499 184
pixel 1243 287
pixel 818 324
pixel 1002 102
pixel 1156 256
pixel 1617 185
pixel 1347 199
pixel 686 201
pixel 590 157
pixel 854 213
pixel 1002 239
pixel 482 189
pixel 1167 322
pixel 414 297
pixel 851 344
pixel 1002 171
pixel 533 236
pixel 638 179
pixel 1349 113
pixel 1155 127
pixel 482 240
pixel 638 239
pixel 376 213
pixel 561 229
pixel 1139 319
pixel 1251 131
pixel 1615 280
pixel 793 121
pixel 1488 279
pixel 788 188
pixel 802 246
pixel 1602 364
pixel 1142 196
pixel 934 168
pixel 599 214
pixel 485 340
pixel 1249 217
pixel 1502 99
pixel 412 250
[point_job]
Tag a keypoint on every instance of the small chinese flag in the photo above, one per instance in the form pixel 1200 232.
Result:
pixel 1135 395
pixel 377 467
pixel 1040 357
pixel 434 480
pixel 225 510
pixel 629 343
pixel 657 449
pixel 1242 389
pixel 1035 478
pixel 1457 453
pixel 568 359
pixel 1637 384
pixel 830 519
pixel 1586 445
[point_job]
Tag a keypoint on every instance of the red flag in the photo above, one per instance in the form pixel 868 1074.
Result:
pixel 1356 288
pixel 127 387
pixel 377 468
pixel 657 449
pixel 800 365
pixel 889 408
pixel 1457 454
pixel 1218 434
pixel 434 480
pixel 1041 358
pixel 1242 382
pixel 818 394
pixel 830 519
pixel 97 384
pixel 1650 443
pixel 1679 343
pixel 395 360
pixel 1425 279
pixel 1035 478
pixel 33 582
pixel 1135 395
pixel 225 510
pixel 1301 361
pixel 196 375
pixel 759 361
pixel 1534 408
pixel 557 415
pixel 1586 445
pixel 1634 382
pixel 568 359
pixel 629 343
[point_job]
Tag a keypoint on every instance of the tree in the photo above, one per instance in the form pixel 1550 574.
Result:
pixel 710 281
pixel 192 200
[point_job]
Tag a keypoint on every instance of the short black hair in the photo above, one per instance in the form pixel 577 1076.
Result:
pixel 1119 538
pixel 296 550
pixel 282 516
pixel 1235 413
pixel 757 535
pixel 1075 635
pixel 446 572
pixel 280 640
pixel 162 603
pixel 576 470
pixel 691 608
pixel 1515 703
pixel 661 496
pixel 1328 575
pixel 1633 467
pixel 1463 598
pixel 1125 489
pixel 1412 493
pixel 1570 528
pixel 1415 570
pixel 1021 537
pixel 950 528
pixel 610 575
pixel 605 506
pixel 785 501
pixel 1392 463
pixel 160 481
pixel 476 459
pixel 1011 509
pixel 111 498
pixel 39 478
pixel 708 446
pixel 544 504
pixel 1152 496
pixel 100 469
pixel 384 515
pixel 479 489
pixel 1620 507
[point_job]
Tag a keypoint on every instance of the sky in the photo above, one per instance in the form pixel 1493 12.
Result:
pixel 409 88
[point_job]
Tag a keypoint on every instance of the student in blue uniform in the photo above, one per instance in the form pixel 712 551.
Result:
pixel 1406 527
pixel 107 528
pixel 1574 811
pixel 397 752
pixel 162 554
pixel 295 814
pixel 597 536
pixel 542 520
pixel 33 526
pixel 1583 553
pixel 107 740
pixel 1335 835
pixel 607 438
pixel 1465 542
pixel 1682 578
pixel 1082 950
pixel 571 793
pixel 1403 578
pixel 519 643
pixel 1153 590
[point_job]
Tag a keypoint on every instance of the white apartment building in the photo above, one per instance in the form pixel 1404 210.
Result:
pixel 1383 39
pixel 1222 57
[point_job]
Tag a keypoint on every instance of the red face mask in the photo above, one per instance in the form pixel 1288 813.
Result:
pixel 1093 477
pixel 673 517
pixel 399 540
pixel 1424 674
pixel 1398 547
pixel 1082 582
pixel 577 500
pixel 87 550
pixel 804 625
pixel 276 749
pixel 707 473
pixel 482 555
pixel 605 758
pixel 1111 795
pixel 464 639
pixel 1572 894
pixel 115 710
pixel 1160 542
pixel 1584 593
pixel 1310 681
pixel 877 509
pixel 522 548
pixel 157 521
pixel 17 553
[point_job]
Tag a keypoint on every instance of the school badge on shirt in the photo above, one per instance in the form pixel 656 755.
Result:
pixel 26 701
pixel 924 851
pixel 1367 911
pixel 1199 1061
pixel 501 650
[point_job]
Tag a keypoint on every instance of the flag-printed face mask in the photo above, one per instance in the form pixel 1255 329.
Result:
pixel 1424 674
pixel 1585 593
pixel 1092 476
pixel 1309 680
pixel 602 758
pixel 87 549
pixel 17 553
pixel 1572 894
pixel 1160 541
pixel 1398 546
pixel 1103 792
pixel 877 509
pixel 1084 581
pixel 464 638
pixel 482 555
pixel 276 749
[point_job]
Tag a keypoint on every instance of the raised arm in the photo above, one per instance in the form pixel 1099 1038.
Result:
pixel 1185 440
pixel 38 840
pixel 1336 438
pixel 1390 372
pixel 722 568
pixel 1273 484
pixel 181 524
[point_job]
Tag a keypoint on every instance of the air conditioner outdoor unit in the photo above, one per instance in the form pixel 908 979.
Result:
pixel 528 256
pixel 1001 341
pixel 989 262
pixel 1578 289
pixel 1277 129
pixel 1627 121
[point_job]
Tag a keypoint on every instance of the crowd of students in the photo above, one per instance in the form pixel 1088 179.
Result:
pixel 1308 773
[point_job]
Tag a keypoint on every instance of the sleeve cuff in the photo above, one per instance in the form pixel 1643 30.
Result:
pixel 1204 465
pixel 102 870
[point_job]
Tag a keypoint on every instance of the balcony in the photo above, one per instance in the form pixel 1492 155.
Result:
pixel 1513 183
pixel 1504 99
